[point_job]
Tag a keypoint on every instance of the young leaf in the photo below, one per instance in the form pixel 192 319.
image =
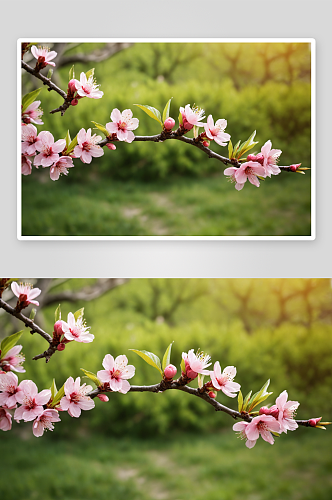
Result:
pixel 9 342
pixel 183 366
pixel 200 380
pixel 89 73
pixel 149 358
pixel 29 98
pixel 71 73
pixel 54 390
pixel 167 356
pixel 92 376
pixel 230 149
pixel 68 139
pixel 166 110
pixel 50 73
pixel 259 396
pixel 180 118
pixel 33 314
pixel 102 128
pixel 57 314
pixel 152 112
pixel 236 147
pixel 59 395
pixel 240 401
pixel 246 399
pixel 78 314
pixel 72 145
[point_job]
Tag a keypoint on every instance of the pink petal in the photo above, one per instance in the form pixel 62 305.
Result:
pixel 108 362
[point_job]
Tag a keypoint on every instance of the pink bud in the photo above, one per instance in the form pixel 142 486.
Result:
pixel 58 328
pixel 206 143
pixel 72 86
pixel 170 371
pixel 61 346
pixel 103 397
pixel 110 146
pixel 251 158
pixel 295 167
pixel 314 421
pixel 74 102
pixel 169 123
pixel 212 394
pixel 269 411
pixel 260 158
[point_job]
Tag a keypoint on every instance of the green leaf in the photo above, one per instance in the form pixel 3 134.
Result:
pixel 9 342
pixel 54 390
pixel 50 73
pixel 275 434
pixel 29 98
pixel 259 397
pixel 59 395
pixel 230 149
pixel 236 147
pixel 92 376
pixel 57 314
pixel 167 356
pixel 166 110
pixel 71 73
pixel 180 118
pixel 68 139
pixel 240 401
pixel 152 112
pixel 183 366
pixel 102 128
pixel 149 358
pixel 89 73
pixel 246 399
pixel 79 313
pixel 72 145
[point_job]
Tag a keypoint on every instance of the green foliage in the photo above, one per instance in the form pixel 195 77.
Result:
pixel 9 342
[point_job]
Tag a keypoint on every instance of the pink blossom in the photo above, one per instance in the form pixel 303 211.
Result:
pixel 191 117
pixel 261 425
pixel 103 398
pixel 33 114
pixel 26 165
pixel 196 363
pixel 49 150
pixel 43 56
pixel 216 131
pixel 13 360
pixel 75 398
pixel 271 157
pixel 122 125
pixel 231 172
pixel 87 87
pixel 287 411
pixel 44 422
pixel 5 420
pixel 116 373
pixel 61 167
pixel 25 293
pixel 9 390
pixel 32 402
pixel 76 329
pixel 224 381
pixel 29 139
pixel 87 148
pixel 249 170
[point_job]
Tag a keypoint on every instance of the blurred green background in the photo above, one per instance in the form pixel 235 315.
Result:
pixel 171 188
pixel 170 446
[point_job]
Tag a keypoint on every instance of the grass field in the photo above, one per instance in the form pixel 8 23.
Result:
pixel 179 207
pixel 215 467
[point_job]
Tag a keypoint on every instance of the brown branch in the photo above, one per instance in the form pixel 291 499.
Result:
pixel 165 385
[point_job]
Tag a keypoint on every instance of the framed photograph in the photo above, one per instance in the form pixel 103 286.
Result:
pixel 166 139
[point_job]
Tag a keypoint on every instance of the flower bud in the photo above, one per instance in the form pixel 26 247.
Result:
pixel 273 411
pixel 212 394
pixel 61 346
pixel 251 158
pixel 72 86
pixel 103 397
pixel 169 123
pixel 314 421
pixel 206 143
pixel 260 158
pixel 74 102
pixel 58 328
pixel 294 167
pixel 111 146
pixel 170 371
